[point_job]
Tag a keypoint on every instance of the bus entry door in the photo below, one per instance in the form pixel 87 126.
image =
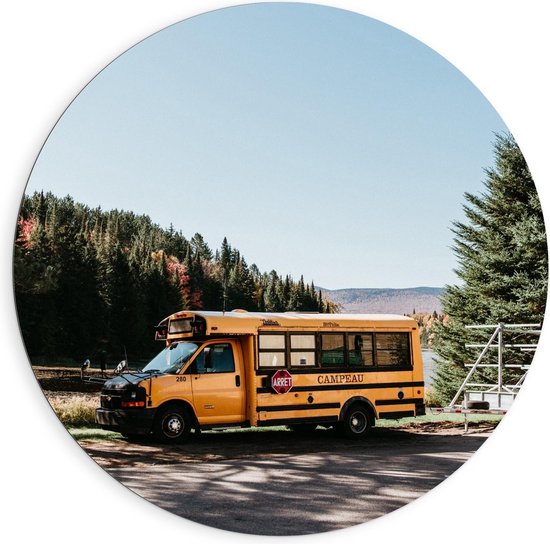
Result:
pixel 218 385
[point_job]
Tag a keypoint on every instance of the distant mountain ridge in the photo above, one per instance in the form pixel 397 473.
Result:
pixel 388 301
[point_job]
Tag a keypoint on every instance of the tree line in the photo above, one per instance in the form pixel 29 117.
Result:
pixel 88 279
pixel 426 324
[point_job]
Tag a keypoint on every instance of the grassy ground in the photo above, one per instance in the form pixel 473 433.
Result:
pixel 476 419
pixel 74 409
pixel 87 433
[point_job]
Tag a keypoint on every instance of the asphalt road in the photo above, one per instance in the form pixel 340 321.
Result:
pixel 280 483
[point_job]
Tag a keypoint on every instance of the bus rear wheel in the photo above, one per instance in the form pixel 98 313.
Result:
pixel 356 422
pixel 172 425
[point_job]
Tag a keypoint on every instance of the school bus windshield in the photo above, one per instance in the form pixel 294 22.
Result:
pixel 171 359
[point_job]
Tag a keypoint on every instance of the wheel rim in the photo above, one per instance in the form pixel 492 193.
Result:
pixel 173 425
pixel 358 422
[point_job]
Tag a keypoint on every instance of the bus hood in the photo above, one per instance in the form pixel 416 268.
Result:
pixel 125 380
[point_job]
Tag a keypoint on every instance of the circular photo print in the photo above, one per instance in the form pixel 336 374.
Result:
pixel 280 269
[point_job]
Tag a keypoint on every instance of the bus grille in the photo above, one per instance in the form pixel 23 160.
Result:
pixel 110 400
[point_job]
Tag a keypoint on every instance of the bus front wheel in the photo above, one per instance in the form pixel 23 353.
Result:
pixel 356 422
pixel 172 425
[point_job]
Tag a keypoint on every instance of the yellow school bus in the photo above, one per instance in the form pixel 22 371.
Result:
pixel 222 369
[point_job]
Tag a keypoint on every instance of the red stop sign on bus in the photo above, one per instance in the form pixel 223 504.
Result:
pixel 281 381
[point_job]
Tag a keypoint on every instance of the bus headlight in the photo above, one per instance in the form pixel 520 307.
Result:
pixel 133 398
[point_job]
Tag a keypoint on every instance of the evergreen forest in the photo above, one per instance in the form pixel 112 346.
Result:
pixel 87 280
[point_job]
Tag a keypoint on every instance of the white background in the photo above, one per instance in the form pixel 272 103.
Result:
pixel 51 489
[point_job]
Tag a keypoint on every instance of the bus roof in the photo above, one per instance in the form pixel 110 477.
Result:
pixel 243 322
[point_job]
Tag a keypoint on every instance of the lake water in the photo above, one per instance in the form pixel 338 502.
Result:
pixel 429 366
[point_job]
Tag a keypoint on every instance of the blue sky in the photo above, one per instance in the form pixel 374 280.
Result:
pixel 319 141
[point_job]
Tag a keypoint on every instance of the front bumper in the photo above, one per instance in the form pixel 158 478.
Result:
pixel 133 421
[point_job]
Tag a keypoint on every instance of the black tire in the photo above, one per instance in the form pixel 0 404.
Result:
pixel 172 424
pixel 356 423
pixel 477 405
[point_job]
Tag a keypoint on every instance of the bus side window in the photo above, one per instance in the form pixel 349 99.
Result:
pixel 221 359
pixel 302 349
pixel 360 352
pixel 332 350
pixel 393 349
pixel 214 359
pixel 271 350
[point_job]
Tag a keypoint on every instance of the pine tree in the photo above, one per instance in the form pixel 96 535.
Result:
pixel 225 258
pixel 35 282
pixel 194 270
pixel 240 287
pixel 272 302
pixel 200 247
pixel 502 263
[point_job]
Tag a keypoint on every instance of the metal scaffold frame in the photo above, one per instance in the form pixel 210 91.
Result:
pixel 495 397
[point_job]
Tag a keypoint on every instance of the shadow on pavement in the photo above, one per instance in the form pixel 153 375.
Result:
pixel 283 483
